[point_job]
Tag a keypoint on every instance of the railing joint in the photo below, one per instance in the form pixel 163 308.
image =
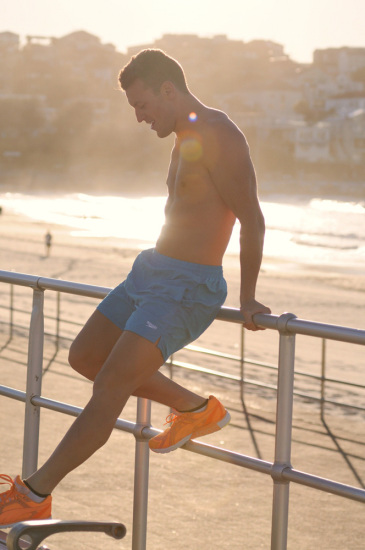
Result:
pixel 36 285
pixel 138 431
pixel 36 396
pixel 277 471
pixel 282 322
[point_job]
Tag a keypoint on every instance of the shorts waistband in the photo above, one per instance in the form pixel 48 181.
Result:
pixel 172 263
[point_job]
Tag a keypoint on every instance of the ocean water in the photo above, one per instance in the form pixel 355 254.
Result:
pixel 309 231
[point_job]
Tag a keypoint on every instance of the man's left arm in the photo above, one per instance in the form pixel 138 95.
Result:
pixel 233 174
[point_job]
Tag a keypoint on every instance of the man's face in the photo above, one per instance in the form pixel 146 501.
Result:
pixel 150 107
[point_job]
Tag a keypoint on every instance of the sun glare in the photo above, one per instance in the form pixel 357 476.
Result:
pixel 191 149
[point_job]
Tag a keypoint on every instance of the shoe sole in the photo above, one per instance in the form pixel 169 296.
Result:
pixel 177 445
pixel 199 433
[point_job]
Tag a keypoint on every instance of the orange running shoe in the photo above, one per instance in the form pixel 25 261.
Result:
pixel 15 504
pixel 187 426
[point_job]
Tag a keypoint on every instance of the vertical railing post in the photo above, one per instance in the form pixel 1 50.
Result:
pixel 141 476
pixel 323 377
pixel 58 320
pixel 284 414
pixel 242 364
pixel 34 384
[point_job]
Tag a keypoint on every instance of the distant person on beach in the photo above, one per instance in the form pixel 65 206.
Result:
pixel 48 243
pixel 173 292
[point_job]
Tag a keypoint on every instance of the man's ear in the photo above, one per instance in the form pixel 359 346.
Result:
pixel 168 90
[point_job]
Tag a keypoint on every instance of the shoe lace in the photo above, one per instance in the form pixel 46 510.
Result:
pixel 171 419
pixel 7 495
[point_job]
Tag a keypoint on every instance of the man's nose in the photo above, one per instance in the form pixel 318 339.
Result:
pixel 139 116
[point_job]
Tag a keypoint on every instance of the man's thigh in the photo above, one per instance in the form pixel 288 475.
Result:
pixel 132 361
pixel 93 345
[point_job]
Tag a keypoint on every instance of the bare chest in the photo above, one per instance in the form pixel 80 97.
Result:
pixel 189 181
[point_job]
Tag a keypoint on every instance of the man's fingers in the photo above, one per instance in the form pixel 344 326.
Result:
pixel 251 326
pixel 249 323
pixel 248 311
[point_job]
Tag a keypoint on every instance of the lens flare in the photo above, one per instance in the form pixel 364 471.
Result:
pixel 192 117
pixel 191 149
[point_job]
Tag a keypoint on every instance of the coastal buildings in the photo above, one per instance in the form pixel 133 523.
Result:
pixel 59 94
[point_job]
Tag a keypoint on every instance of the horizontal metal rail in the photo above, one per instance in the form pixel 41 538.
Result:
pixel 264 385
pixel 292 326
pixel 323 379
pixel 224 455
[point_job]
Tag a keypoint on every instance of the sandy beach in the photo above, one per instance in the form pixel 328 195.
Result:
pixel 196 503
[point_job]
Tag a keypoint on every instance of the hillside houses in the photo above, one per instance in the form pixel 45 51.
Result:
pixel 312 143
pixel 292 113
pixel 343 105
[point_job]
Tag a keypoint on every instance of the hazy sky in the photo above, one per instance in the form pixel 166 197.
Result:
pixel 300 25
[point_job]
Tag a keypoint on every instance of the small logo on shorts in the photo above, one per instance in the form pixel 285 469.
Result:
pixel 150 325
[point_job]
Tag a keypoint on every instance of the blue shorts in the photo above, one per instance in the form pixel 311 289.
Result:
pixel 168 301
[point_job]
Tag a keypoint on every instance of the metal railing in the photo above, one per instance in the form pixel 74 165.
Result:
pixel 321 380
pixel 280 470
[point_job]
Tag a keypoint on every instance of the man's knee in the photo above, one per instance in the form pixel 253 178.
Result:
pixel 74 356
pixel 81 361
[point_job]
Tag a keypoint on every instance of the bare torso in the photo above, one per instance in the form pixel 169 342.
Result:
pixel 198 224
pixel 211 183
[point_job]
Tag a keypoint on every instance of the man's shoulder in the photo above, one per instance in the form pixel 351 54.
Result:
pixel 217 117
pixel 218 129
pixel 218 121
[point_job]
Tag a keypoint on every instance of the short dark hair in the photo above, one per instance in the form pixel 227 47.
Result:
pixel 153 67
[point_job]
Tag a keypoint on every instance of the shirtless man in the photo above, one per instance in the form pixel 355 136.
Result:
pixel 173 292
